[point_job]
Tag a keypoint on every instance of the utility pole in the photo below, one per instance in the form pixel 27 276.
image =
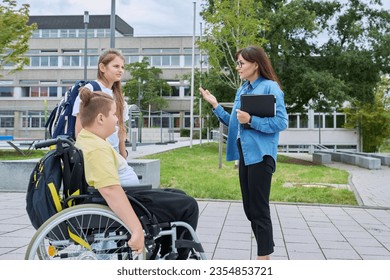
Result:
pixel 86 21
pixel 192 80
pixel 112 24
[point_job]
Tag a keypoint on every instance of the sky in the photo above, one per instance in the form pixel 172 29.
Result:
pixel 147 17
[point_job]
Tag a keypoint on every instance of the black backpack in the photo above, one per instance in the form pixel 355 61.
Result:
pixel 61 122
pixel 57 177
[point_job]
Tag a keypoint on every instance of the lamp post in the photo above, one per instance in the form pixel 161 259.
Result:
pixel 112 25
pixel 192 80
pixel 86 21
pixel 139 109
pixel 200 97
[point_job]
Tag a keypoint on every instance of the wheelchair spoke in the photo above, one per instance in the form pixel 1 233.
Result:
pixel 81 232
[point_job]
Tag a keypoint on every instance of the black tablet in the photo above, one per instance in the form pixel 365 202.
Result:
pixel 260 105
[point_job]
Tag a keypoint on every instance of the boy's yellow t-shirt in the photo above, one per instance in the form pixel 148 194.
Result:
pixel 100 160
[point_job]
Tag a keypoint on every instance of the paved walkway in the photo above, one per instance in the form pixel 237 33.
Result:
pixel 301 231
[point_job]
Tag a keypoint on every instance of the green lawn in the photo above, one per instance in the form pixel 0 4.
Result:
pixel 14 155
pixel 196 171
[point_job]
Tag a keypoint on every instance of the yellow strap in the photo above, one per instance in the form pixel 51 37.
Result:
pixel 56 197
pixel 79 240
pixel 40 168
pixel 71 202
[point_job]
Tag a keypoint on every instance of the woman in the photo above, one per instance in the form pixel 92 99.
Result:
pixel 255 147
pixel 111 67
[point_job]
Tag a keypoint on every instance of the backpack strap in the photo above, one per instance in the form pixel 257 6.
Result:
pixel 95 85
pixel 73 174
pixel 66 174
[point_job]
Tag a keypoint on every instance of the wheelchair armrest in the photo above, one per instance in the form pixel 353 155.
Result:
pixel 95 197
pixel 128 189
pixel 134 188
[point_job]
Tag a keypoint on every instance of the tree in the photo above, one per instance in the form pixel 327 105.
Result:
pixel 372 119
pixel 230 26
pixel 358 50
pixel 214 82
pixel 292 48
pixel 333 49
pixel 146 86
pixel 14 35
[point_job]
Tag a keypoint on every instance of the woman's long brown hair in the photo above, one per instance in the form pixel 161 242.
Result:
pixel 258 55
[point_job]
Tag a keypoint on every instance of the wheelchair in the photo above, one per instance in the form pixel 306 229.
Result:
pixel 90 230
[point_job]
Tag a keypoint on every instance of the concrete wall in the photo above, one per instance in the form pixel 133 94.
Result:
pixel 307 136
pixel 15 174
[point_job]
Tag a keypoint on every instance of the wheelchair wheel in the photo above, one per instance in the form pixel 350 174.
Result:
pixel 82 232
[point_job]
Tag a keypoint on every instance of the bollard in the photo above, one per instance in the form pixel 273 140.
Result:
pixel 134 141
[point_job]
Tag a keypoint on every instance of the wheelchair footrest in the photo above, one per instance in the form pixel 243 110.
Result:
pixel 181 243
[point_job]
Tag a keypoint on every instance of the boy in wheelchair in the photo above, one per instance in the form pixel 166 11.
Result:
pixel 107 171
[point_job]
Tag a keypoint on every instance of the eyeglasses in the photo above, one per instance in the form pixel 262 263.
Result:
pixel 239 63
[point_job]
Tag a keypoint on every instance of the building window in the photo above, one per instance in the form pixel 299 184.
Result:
pixel 175 91
pixel 52 91
pixel 318 121
pixel 71 61
pixel 100 33
pixel 187 91
pixel 175 60
pixel 340 121
pixel 44 61
pixel 35 61
pixel 93 60
pixel 188 60
pixel 129 51
pixel 39 91
pixel 33 119
pixel 303 121
pixel 7 119
pixel 329 123
pixel 72 33
pixel 131 58
pixel 298 121
pixel 45 33
pixel 6 92
pixel 155 60
pixel 64 33
pixel 292 121
pixel 162 51
pixel 163 60
pixel 34 91
pixel 36 34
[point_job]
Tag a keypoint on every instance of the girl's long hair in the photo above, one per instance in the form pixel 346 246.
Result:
pixel 106 57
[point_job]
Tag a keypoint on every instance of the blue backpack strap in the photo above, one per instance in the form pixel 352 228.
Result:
pixel 95 85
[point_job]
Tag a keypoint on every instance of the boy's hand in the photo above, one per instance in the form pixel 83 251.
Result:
pixel 137 242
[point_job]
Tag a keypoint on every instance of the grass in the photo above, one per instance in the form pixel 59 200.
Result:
pixel 196 171
pixel 14 155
